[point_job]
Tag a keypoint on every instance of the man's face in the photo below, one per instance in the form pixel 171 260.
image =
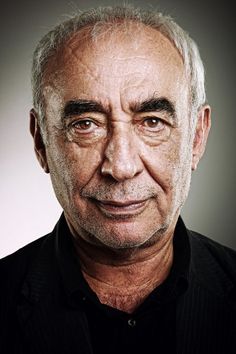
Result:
pixel 119 136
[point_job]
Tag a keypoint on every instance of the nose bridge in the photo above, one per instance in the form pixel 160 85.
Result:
pixel 120 142
pixel 121 156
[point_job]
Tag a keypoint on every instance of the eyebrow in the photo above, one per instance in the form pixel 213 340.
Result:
pixel 161 104
pixel 75 107
pixel 80 106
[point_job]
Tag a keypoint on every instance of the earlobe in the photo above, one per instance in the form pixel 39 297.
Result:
pixel 201 134
pixel 39 146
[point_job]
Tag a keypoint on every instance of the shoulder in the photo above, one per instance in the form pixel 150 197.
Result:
pixel 14 267
pixel 219 253
pixel 213 264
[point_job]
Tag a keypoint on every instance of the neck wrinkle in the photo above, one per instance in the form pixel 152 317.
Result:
pixel 142 274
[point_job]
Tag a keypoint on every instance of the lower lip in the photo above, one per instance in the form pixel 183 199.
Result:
pixel 129 209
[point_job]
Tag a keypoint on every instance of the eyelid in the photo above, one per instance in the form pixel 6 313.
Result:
pixel 81 118
pixel 94 130
pixel 148 116
pixel 158 126
pixel 96 116
pixel 153 117
pixel 90 129
pixel 164 118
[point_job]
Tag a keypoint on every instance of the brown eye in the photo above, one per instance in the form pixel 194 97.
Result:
pixel 151 122
pixel 83 124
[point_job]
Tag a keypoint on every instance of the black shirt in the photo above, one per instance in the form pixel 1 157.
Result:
pixel 42 310
pixel 152 325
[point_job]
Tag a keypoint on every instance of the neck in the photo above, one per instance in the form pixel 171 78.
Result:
pixel 123 279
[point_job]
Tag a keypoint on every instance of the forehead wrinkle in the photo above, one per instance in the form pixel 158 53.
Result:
pixel 68 61
pixel 77 47
pixel 74 58
pixel 146 37
pixel 81 64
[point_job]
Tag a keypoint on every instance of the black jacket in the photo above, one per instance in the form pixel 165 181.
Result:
pixel 35 320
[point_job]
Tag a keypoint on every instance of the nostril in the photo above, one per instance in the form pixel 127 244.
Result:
pixel 120 170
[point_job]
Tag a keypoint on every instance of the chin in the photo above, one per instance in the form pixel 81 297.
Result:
pixel 125 235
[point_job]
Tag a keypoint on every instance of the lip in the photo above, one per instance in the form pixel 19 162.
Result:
pixel 116 208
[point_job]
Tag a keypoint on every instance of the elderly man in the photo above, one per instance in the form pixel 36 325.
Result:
pixel 120 121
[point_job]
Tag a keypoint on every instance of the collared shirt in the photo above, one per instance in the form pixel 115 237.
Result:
pixel 152 325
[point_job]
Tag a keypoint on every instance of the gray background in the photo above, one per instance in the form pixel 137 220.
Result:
pixel 28 206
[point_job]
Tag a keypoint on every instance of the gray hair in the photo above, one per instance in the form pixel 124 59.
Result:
pixel 54 40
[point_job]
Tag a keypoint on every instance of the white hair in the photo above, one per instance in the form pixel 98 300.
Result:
pixel 95 19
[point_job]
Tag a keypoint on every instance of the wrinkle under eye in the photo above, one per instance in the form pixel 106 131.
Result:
pixel 85 131
pixel 153 130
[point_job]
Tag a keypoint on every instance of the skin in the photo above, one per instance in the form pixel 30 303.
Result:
pixel 120 175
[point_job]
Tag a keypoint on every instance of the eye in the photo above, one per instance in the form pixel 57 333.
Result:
pixel 153 123
pixel 85 125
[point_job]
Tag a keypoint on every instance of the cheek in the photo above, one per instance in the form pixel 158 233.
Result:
pixel 169 164
pixel 72 166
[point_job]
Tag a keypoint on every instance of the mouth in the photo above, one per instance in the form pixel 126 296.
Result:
pixel 122 209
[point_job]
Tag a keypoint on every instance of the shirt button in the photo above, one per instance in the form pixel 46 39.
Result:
pixel 131 322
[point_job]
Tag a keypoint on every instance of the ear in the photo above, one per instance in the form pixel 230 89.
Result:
pixel 201 134
pixel 39 146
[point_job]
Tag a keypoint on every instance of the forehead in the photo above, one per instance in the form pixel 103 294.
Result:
pixel 130 57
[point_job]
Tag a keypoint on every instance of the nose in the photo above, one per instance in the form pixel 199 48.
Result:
pixel 121 157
